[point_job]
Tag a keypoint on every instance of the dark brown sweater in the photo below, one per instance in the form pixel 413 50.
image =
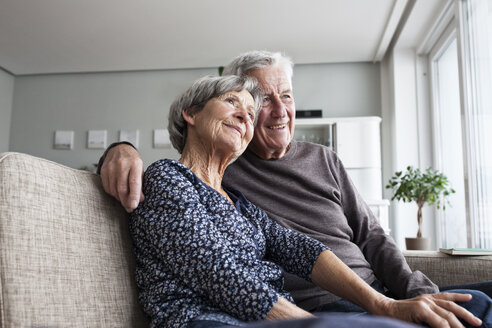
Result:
pixel 309 190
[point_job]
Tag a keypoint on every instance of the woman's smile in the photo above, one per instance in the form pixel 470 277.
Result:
pixel 235 128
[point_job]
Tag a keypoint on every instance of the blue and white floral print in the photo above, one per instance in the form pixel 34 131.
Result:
pixel 199 255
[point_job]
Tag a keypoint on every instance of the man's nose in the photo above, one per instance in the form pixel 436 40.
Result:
pixel 278 109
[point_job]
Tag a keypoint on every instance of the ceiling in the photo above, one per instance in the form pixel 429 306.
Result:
pixel 66 36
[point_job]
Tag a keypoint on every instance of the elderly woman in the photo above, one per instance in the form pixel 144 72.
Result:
pixel 205 255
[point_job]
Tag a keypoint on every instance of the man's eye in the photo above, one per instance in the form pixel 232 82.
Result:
pixel 287 98
pixel 265 101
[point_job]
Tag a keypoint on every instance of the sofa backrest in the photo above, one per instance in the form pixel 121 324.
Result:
pixel 65 250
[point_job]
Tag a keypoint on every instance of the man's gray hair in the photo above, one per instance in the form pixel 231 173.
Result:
pixel 194 99
pixel 259 59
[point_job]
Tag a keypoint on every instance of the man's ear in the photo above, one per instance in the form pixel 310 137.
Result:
pixel 190 119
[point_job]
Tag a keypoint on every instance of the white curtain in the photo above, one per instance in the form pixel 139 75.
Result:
pixel 475 50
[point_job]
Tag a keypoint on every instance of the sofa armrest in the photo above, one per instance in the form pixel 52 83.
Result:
pixel 448 270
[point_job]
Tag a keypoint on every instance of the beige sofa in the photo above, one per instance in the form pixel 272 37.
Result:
pixel 66 258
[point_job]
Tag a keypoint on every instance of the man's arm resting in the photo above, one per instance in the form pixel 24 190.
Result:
pixel 121 170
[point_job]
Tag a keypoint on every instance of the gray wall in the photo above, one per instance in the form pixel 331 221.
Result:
pixel 6 96
pixel 102 101
pixel 345 89
pixel 140 100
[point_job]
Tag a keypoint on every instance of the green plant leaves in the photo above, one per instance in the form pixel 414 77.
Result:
pixel 428 187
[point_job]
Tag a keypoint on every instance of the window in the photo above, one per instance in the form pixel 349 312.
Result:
pixel 461 74
pixel 447 123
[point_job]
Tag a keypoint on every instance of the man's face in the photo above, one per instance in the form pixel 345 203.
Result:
pixel 275 126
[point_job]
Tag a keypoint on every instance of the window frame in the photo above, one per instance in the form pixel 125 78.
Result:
pixel 447 36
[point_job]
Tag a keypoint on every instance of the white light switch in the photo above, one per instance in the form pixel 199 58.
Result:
pixel 63 140
pixel 131 136
pixel 161 138
pixel 96 139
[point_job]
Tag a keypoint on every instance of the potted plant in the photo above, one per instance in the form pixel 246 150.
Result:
pixel 428 187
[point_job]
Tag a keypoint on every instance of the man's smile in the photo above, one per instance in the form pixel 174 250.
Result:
pixel 277 127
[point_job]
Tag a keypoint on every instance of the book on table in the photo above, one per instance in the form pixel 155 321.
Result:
pixel 466 251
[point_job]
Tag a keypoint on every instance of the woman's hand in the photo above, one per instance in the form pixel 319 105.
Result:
pixel 283 309
pixel 436 310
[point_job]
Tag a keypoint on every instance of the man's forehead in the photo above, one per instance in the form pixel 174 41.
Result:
pixel 278 84
pixel 272 79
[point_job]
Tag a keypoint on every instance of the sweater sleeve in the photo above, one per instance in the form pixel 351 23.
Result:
pixel 379 249
pixel 294 251
pixel 174 226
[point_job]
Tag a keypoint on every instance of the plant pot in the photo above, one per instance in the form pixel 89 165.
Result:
pixel 417 243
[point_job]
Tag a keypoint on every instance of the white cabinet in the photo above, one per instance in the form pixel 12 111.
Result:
pixel 357 141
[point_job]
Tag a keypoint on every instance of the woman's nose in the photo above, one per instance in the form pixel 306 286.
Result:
pixel 242 114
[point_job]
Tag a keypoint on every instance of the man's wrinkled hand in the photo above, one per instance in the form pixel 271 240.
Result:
pixel 121 175
pixel 436 310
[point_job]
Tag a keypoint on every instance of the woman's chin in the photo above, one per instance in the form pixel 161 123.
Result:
pixel 233 151
pixel 237 152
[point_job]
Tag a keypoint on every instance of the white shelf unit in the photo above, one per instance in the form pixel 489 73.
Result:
pixel 357 141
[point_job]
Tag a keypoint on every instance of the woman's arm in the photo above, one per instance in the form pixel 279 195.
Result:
pixel 438 310
pixel 295 252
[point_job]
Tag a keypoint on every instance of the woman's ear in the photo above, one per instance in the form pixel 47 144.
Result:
pixel 190 119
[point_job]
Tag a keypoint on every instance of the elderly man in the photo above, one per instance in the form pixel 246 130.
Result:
pixel 301 185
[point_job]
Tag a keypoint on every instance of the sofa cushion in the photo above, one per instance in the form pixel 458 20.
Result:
pixel 65 250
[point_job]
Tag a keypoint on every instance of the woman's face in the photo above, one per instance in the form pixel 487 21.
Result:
pixel 226 122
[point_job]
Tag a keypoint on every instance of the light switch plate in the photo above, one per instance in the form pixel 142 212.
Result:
pixel 161 138
pixel 131 136
pixel 63 140
pixel 96 139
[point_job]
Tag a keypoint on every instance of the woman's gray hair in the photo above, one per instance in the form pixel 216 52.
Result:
pixel 259 59
pixel 194 99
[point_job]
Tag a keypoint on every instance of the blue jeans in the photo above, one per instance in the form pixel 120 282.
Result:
pixel 206 324
pixel 485 287
pixel 325 320
pixel 480 305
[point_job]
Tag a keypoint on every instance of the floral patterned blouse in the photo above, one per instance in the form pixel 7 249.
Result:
pixel 201 257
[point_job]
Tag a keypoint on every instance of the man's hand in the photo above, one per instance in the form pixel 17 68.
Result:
pixel 436 310
pixel 121 175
